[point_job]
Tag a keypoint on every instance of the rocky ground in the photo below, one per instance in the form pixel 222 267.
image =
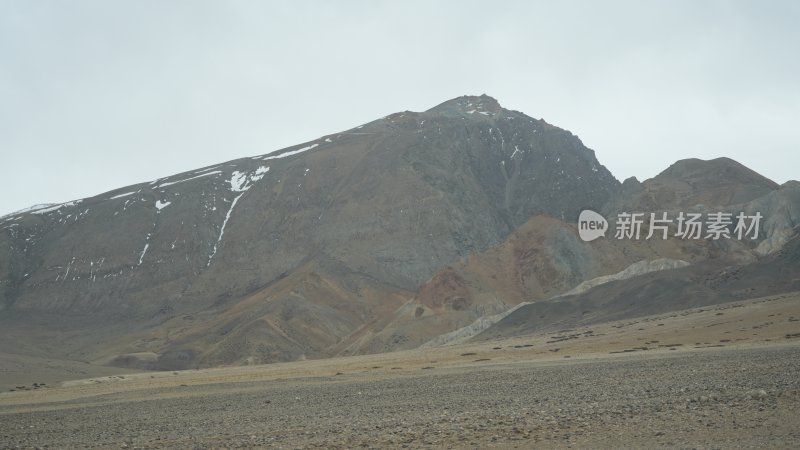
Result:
pixel 704 398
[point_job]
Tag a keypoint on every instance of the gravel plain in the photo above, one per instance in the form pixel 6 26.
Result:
pixel 713 377
pixel 709 398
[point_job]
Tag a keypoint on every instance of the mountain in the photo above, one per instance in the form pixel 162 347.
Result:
pixel 416 229
pixel 545 258
pixel 691 183
pixel 305 252
pixel 541 259
pixel 703 284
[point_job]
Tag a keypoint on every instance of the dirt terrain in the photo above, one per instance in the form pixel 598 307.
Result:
pixel 715 377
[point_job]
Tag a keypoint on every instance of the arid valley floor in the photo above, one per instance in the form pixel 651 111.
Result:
pixel 724 376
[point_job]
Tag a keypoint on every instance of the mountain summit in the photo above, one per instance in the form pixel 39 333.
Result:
pixel 689 183
pixel 469 104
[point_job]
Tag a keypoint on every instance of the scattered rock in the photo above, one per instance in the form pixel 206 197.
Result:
pixel 757 394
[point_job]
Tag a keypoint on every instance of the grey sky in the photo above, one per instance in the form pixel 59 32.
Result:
pixel 99 95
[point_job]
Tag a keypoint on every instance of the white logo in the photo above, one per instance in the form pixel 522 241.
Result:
pixel 591 225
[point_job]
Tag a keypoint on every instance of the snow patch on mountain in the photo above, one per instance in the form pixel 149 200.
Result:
pixel 55 207
pixel 122 195
pixel 293 152
pixel 239 182
pixel 144 250
pixel 205 170
pixel 242 181
pixel 170 183
pixel 29 209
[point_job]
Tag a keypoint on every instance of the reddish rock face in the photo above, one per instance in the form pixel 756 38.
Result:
pixel 446 290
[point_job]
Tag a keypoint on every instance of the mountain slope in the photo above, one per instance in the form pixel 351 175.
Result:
pixel 702 284
pixel 545 257
pixel 300 252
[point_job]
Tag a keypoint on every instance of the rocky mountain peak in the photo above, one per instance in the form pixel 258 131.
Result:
pixel 716 171
pixel 695 183
pixel 793 184
pixel 469 104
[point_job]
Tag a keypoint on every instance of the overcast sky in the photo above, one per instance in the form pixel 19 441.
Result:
pixel 96 95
